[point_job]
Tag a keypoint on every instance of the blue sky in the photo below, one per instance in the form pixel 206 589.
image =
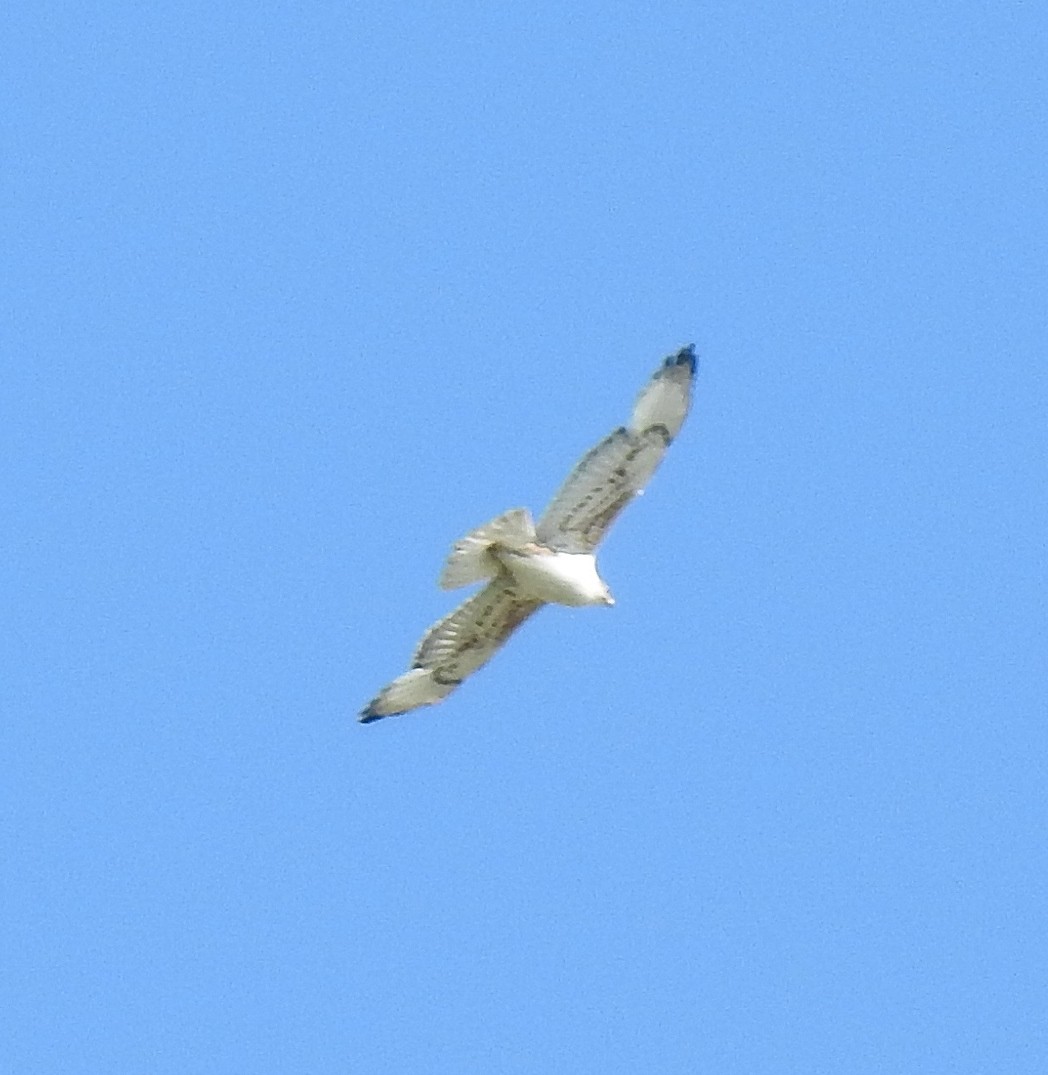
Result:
pixel 296 295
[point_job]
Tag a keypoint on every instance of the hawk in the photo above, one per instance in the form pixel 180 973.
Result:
pixel 528 564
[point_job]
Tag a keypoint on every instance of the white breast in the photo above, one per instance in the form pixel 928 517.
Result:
pixel 565 578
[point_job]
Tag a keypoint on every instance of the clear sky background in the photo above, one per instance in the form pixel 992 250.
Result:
pixel 294 296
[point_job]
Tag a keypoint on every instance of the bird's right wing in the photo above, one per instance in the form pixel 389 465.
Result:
pixel 610 475
pixel 454 648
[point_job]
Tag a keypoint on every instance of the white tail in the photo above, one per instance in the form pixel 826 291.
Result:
pixel 470 560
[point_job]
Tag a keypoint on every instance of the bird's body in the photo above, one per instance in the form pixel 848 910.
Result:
pixel 526 565
pixel 559 578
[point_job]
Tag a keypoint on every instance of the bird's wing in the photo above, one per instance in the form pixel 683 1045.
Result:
pixel 610 475
pixel 454 648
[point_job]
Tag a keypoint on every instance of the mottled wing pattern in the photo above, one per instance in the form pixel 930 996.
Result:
pixel 466 638
pixel 454 648
pixel 610 475
pixel 607 478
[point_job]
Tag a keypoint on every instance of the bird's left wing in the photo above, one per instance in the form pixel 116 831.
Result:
pixel 454 648
pixel 610 475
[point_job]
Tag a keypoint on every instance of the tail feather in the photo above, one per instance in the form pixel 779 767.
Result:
pixel 470 559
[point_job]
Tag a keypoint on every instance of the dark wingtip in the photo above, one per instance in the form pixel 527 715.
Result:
pixel 684 357
pixel 371 714
pixel 368 715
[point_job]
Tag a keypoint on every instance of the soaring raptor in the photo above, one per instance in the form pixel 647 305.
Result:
pixel 527 565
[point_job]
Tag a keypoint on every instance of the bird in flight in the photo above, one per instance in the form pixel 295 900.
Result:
pixel 527 565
